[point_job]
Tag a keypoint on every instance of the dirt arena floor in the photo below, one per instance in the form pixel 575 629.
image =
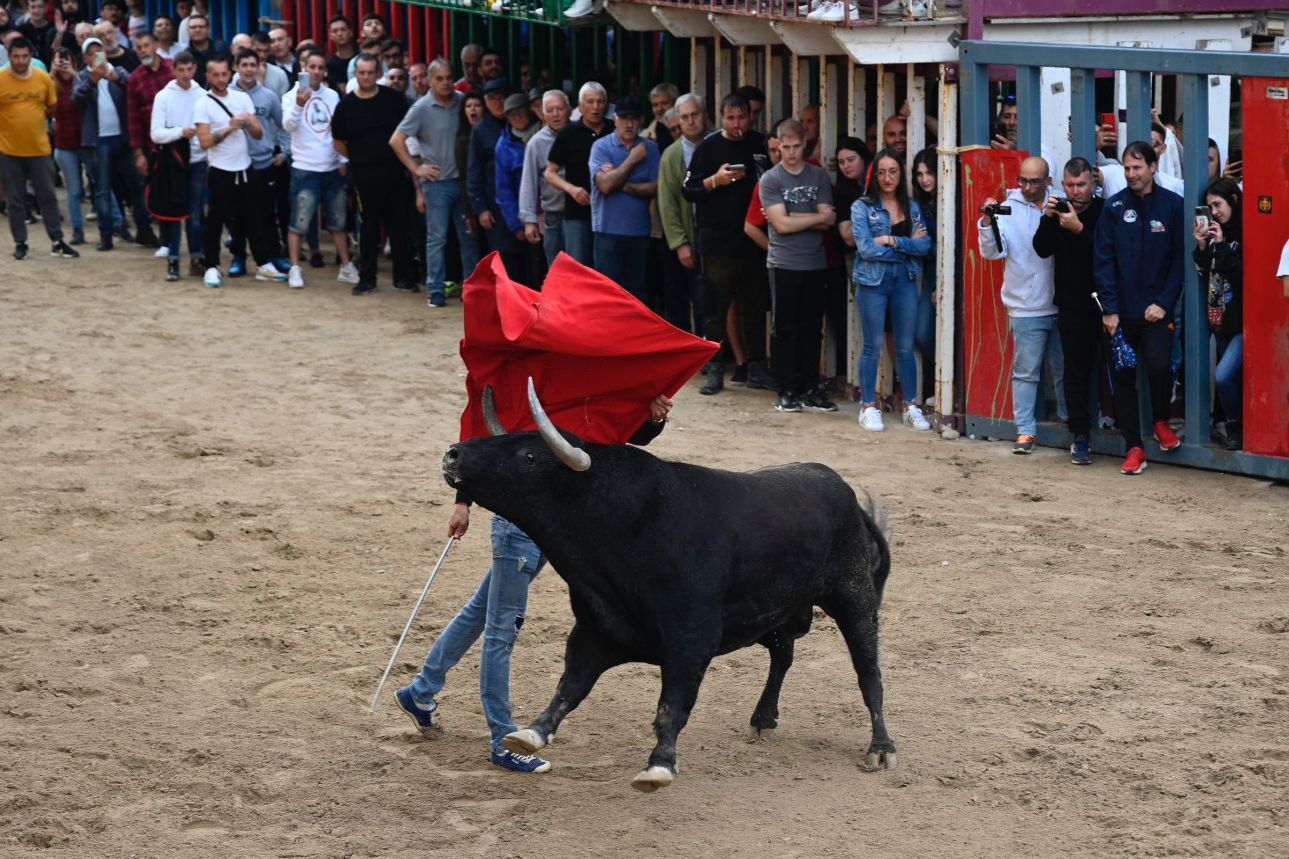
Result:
pixel 217 508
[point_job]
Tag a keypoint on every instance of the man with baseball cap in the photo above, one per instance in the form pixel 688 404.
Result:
pixel 624 178
pixel 529 263
pixel 481 179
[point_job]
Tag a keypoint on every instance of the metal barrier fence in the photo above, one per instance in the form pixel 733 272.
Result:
pixel 1193 69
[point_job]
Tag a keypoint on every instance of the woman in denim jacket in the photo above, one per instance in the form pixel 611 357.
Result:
pixel 891 241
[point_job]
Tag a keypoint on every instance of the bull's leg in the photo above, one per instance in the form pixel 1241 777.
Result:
pixel 858 623
pixel 587 655
pixel 681 677
pixel 765 717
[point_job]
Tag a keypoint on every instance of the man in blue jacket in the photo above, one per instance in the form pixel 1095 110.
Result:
pixel 481 176
pixel 529 262
pixel 1138 270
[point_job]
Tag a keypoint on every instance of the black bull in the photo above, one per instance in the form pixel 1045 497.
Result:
pixel 672 564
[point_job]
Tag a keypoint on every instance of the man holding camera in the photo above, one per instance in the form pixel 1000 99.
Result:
pixel 1064 235
pixel 1027 293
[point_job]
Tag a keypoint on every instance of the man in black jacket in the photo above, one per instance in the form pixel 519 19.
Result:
pixel 1066 232
pixel 722 176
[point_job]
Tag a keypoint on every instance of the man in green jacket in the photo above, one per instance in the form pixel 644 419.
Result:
pixel 684 279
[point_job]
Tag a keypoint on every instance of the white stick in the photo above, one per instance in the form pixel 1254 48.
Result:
pixel 425 590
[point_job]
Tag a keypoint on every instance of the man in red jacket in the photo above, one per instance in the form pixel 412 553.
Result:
pixel 141 88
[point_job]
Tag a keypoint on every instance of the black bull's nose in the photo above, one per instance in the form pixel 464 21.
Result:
pixel 450 464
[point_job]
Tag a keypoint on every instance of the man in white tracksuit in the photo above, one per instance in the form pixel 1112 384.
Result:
pixel 317 169
pixel 1029 295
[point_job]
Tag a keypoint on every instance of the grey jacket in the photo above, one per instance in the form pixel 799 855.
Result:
pixel 533 189
pixel 268 108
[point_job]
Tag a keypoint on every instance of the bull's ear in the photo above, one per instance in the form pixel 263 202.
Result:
pixel 490 412
pixel 575 458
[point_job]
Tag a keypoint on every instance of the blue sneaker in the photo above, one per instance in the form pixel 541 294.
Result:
pixel 1080 453
pixel 238 267
pixel 520 763
pixel 281 264
pixel 423 718
pixel 436 299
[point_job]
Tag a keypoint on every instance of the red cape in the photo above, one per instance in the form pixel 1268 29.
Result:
pixel 596 354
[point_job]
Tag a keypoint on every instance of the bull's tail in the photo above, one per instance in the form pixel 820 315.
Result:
pixel 879 536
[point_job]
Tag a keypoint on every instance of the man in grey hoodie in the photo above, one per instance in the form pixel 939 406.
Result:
pixel 267 154
pixel 1029 294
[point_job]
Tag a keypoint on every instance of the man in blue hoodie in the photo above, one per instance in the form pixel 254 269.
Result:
pixel 1138 270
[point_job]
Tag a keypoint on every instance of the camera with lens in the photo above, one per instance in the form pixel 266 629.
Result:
pixel 993 210
pixel 1062 206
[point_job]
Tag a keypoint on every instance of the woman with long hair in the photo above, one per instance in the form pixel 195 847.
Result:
pixel 924 182
pixel 1219 257
pixel 472 110
pixel 891 242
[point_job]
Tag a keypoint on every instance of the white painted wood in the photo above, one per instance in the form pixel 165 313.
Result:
pixel 637 17
pixel 857 103
pixel 946 249
pixel 1219 100
pixel 1054 90
pixel 744 30
pixel 807 39
pixel 829 103
pixel 916 121
pixel 898 44
pixel 698 67
pixel 684 23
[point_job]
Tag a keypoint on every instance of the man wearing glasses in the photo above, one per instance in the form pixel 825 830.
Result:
pixel 1029 295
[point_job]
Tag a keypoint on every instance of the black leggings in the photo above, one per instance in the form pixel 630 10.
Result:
pixel 1153 342
pixel 231 203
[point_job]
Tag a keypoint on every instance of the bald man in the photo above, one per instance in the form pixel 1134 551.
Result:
pixel 471 78
pixel 1029 294
pixel 895 136
pixel 117 54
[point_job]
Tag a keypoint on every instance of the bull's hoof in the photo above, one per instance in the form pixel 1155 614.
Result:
pixel 525 741
pixel 653 778
pixel 875 761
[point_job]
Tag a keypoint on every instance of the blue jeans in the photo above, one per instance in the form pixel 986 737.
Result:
pixel 1034 338
pixel 553 238
pixel 113 159
pixel 924 331
pixel 900 294
pixel 70 162
pixel 170 230
pixel 577 240
pixel 444 208
pixel 311 189
pixel 623 260
pixel 1230 364
pixel 497 612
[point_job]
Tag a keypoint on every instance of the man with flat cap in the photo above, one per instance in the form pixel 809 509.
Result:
pixel 624 178
pixel 481 179
pixel 526 264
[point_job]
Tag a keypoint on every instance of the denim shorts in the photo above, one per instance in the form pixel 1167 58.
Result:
pixel 309 189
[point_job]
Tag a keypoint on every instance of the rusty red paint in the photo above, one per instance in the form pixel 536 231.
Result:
pixel 1266 303
pixel 986 338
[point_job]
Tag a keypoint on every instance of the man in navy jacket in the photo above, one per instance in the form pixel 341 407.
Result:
pixel 1138 261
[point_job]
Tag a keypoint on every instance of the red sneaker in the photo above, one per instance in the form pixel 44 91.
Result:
pixel 1135 463
pixel 1167 439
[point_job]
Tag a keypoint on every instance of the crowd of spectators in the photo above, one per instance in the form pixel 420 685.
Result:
pixel 258 144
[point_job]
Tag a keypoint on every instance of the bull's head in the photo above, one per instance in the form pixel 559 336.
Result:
pixel 512 460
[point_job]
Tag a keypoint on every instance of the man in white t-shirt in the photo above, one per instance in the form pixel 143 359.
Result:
pixel 224 117
pixel 1283 271
pixel 317 169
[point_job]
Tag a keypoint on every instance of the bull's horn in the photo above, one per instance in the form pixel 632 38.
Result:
pixel 490 413
pixel 574 458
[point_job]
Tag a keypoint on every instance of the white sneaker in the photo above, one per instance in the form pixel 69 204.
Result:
pixel 914 418
pixel 162 252
pixel 580 9
pixel 871 420
pixel 295 279
pixel 348 273
pixel 829 10
pixel 269 272
pixel 930 402
pixel 213 278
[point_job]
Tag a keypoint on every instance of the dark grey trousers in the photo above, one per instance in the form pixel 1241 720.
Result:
pixel 17 172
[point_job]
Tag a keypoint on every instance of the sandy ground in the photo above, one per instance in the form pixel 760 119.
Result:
pixel 217 507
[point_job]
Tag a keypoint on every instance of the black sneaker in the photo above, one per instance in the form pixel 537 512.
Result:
pixel 78 237
pixel 406 286
pixel 787 403
pixel 104 244
pixel 172 269
pixel 124 234
pixel 759 378
pixel 715 379
pixel 363 288
pixel 147 238
pixel 61 249
pixel 316 260
pixel 20 250
pixel 815 401
pixel 1080 452
pixel 739 376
